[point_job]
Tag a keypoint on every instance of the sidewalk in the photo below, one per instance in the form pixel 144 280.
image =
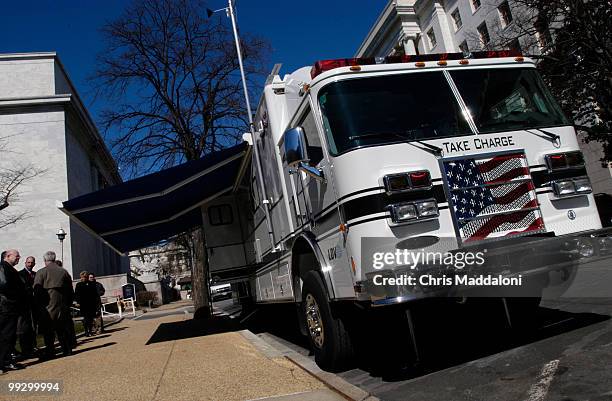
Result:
pixel 120 365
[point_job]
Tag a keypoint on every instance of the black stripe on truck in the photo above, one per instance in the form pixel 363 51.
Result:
pixel 376 203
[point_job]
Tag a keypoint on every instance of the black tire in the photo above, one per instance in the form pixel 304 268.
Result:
pixel 329 340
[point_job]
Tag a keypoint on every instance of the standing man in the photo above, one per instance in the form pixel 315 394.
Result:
pixel 26 325
pixel 53 287
pixel 98 321
pixel 12 298
pixel 86 295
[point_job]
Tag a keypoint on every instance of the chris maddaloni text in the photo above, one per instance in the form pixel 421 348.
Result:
pixel 428 280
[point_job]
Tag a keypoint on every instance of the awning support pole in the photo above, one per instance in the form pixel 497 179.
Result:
pixel 266 201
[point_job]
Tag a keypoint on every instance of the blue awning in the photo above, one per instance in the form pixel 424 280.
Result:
pixel 149 209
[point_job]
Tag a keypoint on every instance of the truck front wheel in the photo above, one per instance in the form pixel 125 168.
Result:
pixel 327 334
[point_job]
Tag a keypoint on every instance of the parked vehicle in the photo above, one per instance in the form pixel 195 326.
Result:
pixel 221 292
pixel 435 152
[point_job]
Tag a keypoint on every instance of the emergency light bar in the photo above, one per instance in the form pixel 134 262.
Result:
pixel 326 65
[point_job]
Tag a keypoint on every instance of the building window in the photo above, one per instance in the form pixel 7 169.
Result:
pixel 464 47
pixel 457 19
pixel 432 38
pixel 220 215
pixel 475 5
pixel 514 45
pixel 483 32
pixel 504 14
pixel 542 31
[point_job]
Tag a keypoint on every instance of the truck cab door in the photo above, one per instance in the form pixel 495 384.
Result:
pixel 309 191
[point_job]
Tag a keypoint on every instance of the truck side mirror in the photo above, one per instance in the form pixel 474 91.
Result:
pixel 295 146
pixel 296 154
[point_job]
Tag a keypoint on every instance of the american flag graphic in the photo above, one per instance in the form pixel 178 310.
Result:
pixel 493 197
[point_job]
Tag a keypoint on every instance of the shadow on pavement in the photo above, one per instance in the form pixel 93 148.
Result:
pixel 453 334
pixel 80 351
pixel 74 352
pixel 447 335
pixel 193 328
pixel 106 331
pixel 85 340
pixel 279 320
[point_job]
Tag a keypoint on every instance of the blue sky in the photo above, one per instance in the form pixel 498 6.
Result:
pixel 300 32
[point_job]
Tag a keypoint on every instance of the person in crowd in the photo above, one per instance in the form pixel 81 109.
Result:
pixel 70 326
pixel 98 321
pixel 12 298
pixel 53 289
pixel 87 297
pixel 26 325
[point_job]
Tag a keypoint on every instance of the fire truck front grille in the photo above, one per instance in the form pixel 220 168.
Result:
pixel 492 196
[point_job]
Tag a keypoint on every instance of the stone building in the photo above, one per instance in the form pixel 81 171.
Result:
pixel 447 26
pixel 439 26
pixel 43 122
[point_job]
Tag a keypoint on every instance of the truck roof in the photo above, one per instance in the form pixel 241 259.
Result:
pixel 324 68
pixel 292 86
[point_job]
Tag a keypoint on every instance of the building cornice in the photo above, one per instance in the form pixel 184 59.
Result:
pixel 28 56
pixel 398 22
pixel 386 18
pixel 98 142
pixel 73 100
pixel 35 101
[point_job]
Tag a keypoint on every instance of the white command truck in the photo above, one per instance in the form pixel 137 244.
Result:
pixel 354 160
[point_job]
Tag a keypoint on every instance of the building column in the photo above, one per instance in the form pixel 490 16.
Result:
pixel 447 36
pixel 410 25
pixel 409 43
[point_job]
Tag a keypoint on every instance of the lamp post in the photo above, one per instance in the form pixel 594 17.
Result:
pixel 61 235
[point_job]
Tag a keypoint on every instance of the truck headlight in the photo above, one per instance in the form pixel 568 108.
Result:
pixel 410 211
pixel 583 185
pixel 401 212
pixel 427 208
pixel 564 188
pixel 575 186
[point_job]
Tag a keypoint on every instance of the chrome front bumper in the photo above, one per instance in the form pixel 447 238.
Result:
pixel 540 262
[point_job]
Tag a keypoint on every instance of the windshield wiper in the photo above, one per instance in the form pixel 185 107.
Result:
pixel 554 137
pixel 437 151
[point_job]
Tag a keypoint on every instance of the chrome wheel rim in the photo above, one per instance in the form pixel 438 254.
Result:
pixel 314 321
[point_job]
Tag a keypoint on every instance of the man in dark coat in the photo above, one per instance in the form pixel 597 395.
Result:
pixel 87 297
pixel 100 290
pixel 26 325
pixel 53 290
pixel 12 298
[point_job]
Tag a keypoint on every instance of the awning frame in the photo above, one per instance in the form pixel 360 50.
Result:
pixel 245 154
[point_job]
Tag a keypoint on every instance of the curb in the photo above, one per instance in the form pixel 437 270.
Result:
pixel 274 349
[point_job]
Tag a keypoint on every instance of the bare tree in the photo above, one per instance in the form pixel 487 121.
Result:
pixel 172 77
pixel 12 177
pixel 572 41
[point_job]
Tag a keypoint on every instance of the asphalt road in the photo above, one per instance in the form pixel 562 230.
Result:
pixel 472 355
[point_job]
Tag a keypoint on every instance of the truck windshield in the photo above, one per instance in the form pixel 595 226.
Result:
pixel 386 109
pixel 507 99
